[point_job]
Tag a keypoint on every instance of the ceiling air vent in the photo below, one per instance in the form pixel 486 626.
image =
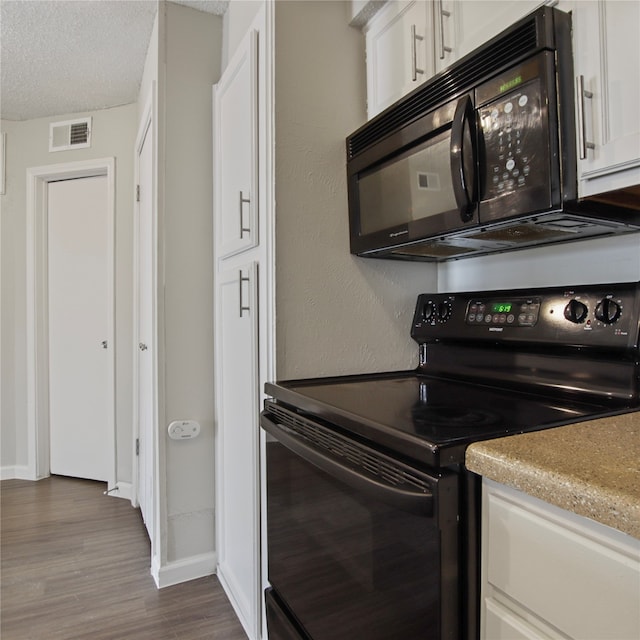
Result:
pixel 70 134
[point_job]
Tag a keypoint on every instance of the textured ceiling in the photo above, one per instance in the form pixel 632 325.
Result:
pixel 66 56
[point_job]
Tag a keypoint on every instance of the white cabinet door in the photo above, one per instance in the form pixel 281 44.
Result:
pixel 235 156
pixel 399 52
pixel 445 14
pixel 548 573
pixel 607 61
pixel 480 20
pixel 408 42
pixel 237 450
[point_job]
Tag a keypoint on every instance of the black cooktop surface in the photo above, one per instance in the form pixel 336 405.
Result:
pixel 429 419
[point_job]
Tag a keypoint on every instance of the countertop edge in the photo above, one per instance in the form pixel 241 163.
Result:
pixel 532 463
pixel 578 497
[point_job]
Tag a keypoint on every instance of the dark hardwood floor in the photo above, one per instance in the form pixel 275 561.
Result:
pixel 75 566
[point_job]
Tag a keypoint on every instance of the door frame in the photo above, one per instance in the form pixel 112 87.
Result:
pixel 37 325
pixel 145 128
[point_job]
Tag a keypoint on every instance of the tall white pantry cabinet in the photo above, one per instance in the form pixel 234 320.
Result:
pixel 240 284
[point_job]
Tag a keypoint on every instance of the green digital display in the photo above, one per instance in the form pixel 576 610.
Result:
pixel 501 307
pixel 509 84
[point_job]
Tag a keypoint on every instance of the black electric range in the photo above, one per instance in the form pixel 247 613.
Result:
pixel 491 364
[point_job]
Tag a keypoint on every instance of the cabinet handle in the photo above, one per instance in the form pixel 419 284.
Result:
pixel 243 201
pixel 442 14
pixel 415 70
pixel 242 279
pixel 582 130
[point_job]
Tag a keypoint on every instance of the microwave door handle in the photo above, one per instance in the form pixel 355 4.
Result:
pixel 415 502
pixel 463 185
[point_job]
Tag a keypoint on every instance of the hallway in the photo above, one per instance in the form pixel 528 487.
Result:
pixel 75 566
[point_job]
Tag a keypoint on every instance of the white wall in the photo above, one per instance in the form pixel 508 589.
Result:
pixel 237 20
pixel 192 56
pixel 182 64
pixel 113 132
pixel 336 313
pixel 150 72
pixel 585 262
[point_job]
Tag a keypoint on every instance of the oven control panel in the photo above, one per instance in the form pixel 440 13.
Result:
pixel 606 315
pixel 518 312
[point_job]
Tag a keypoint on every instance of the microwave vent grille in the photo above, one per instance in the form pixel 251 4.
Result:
pixel 471 70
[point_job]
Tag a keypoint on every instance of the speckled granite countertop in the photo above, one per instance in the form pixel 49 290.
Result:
pixel 591 468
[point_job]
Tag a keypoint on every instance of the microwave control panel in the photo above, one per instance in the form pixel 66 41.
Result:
pixel 514 139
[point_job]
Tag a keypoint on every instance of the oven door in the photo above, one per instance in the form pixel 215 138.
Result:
pixel 360 545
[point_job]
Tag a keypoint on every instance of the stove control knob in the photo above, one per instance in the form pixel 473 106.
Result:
pixel 608 311
pixel 444 311
pixel 576 311
pixel 428 311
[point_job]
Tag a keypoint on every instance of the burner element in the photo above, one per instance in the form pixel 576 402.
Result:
pixel 426 417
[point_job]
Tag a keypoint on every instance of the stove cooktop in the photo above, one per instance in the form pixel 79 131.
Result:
pixel 430 420
pixel 492 364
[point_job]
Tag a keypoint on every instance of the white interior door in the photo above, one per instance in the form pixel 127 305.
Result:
pixel 145 331
pixel 80 288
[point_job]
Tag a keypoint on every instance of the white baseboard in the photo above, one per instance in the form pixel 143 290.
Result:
pixel 184 570
pixel 15 472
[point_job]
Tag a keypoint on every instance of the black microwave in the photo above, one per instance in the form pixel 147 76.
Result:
pixel 480 159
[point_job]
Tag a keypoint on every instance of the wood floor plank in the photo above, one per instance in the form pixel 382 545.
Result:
pixel 75 566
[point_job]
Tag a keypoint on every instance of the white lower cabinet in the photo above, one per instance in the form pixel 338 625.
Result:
pixel 547 573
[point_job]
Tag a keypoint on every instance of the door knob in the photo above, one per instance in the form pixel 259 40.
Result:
pixel 142 346
pixel 104 344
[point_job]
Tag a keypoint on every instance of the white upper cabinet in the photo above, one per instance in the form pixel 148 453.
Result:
pixel 235 156
pixel 607 67
pixel 409 42
pixel 445 33
pixel 399 52
pixel 477 21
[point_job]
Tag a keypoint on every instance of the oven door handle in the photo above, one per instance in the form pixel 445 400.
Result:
pixel 416 502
